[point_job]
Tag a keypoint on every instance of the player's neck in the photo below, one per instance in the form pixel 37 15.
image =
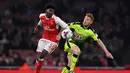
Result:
pixel 47 16
pixel 86 26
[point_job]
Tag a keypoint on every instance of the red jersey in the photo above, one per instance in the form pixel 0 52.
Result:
pixel 51 26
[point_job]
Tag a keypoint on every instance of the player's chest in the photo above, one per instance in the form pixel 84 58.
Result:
pixel 49 22
pixel 84 33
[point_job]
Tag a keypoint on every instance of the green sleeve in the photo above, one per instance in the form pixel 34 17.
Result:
pixel 73 25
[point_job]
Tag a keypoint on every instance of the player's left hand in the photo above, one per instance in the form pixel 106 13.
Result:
pixel 58 37
pixel 109 55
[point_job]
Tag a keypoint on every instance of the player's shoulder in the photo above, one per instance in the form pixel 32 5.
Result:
pixel 42 14
pixel 74 23
pixel 92 29
pixel 56 17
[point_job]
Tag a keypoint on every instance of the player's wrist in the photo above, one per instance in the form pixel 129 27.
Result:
pixel 106 52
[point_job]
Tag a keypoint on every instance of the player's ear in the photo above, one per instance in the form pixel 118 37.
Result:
pixel 46 10
pixel 91 22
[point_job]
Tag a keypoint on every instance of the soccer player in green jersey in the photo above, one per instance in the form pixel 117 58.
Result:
pixel 81 32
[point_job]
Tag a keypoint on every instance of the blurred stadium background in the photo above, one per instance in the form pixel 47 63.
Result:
pixel 19 17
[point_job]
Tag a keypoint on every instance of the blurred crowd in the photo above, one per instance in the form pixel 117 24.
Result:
pixel 18 19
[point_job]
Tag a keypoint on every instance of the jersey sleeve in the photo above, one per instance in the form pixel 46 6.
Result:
pixel 40 17
pixel 40 23
pixel 42 14
pixel 61 22
pixel 74 25
pixel 94 36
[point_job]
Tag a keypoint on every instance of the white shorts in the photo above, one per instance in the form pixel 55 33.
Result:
pixel 47 45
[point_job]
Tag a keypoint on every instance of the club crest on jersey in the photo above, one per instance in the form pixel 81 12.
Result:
pixel 43 21
pixel 51 23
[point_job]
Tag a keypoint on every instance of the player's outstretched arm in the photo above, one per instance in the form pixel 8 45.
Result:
pixel 38 26
pixel 58 37
pixel 63 26
pixel 103 47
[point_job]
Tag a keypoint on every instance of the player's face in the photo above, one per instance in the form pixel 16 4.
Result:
pixel 50 12
pixel 87 21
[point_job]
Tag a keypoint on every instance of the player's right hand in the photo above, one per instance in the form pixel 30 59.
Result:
pixel 58 37
pixel 109 55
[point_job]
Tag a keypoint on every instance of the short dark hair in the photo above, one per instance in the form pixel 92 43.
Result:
pixel 50 5
pixel 91 16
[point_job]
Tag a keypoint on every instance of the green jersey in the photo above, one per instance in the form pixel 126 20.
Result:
pixel 81 34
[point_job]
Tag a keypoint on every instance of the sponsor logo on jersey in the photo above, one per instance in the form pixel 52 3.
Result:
pixel 51 23
pixel 48 28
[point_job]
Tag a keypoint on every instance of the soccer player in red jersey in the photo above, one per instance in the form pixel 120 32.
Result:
pixel 50 38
